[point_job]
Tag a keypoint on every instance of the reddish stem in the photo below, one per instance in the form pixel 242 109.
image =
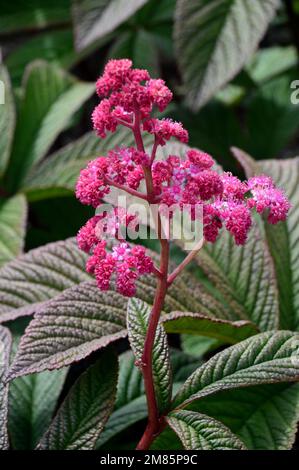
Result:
pixel 128 190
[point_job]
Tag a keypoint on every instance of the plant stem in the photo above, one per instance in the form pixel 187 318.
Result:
pixel 155 423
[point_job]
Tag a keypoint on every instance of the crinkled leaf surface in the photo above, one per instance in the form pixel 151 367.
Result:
pixel 50 98
pixel 66 329
pixel 265 358
pixel 200 432
pixel 83 414
pixel 265 417
pixel 244 278
pixel 282 238
pixel 214 39
pixel 130 406
pixel 5 345
pixel 32 401
pixel 13 216
pixel 137 324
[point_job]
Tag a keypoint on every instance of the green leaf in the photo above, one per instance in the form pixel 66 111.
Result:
pixel 214 39
pixel 7 118
pixel 82 416
pixel 130 405
pixel 43 273
pixel 270 62
pixel 32 401
pixel 271 133
pixel 265 358
pixel 5 345
pixel 38 276
pixel 70 327
pixel 265 417
pixel 95 19
pixel 61 169
pixel 195 324
pixel 13 216
pixel 19 16
pixel 141 47
pixel 243 278
pixel 283 237
pixel 198 346
pixel 53 46
pixel 137 324
pixel 200 432
pixel 50 98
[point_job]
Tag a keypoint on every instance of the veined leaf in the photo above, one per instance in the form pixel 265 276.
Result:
pixel 50 99
pixel 130 405
pixel 214 39
pixel 38 276
pixel 196 324
pixel 32 401
pixel 265 358
pixel 13 216
pixel 282 238
pixel 94 19
pixel 5 345
pixel 18 16
pixel 7 118
pixel 43 273
pixel 243 278
pixel 66 329
pixel 83 414
pixel 200 432
pixel 137 324
pixel 265 417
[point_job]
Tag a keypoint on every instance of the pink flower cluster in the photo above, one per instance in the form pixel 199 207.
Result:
pixel 121 166
pixel 128 92
pixel 124 262
pixel 129 96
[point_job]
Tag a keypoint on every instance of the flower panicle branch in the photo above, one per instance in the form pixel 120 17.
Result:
pixel 128 97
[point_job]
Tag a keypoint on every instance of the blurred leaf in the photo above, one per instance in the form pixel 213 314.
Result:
pixel 50 99
pixel 137 323
pixel 270 357
pixel 200 432
pixel 83 414
pixel 59 172
pixel 13 217
pixel 33 14
pixel 272 120
pixel 139 46
pixel 198 345
pixel 214 39
pixel 283 237
pixel 95 18
pixel 5 345
pixel 270 62
pixel 32 401
pixel 265 417
pixel 7 118
pixel 53 46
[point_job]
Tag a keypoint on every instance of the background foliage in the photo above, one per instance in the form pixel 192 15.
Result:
pixel 230 64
